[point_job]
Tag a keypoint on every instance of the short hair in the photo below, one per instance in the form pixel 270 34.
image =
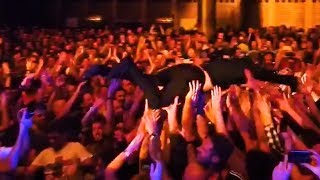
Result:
pixel 32 87
pixel 98 118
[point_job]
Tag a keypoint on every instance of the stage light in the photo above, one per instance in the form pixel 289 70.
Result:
pixel 95 18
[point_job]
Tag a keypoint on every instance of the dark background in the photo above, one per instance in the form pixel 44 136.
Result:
pixel 52 13
pixel 29 12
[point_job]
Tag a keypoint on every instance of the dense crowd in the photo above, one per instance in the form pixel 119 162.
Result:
pixel 72 108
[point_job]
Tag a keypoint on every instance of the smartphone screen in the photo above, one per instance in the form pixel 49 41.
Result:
pixel 299 157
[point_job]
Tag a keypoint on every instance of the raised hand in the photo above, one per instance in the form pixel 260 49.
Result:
pixel 251 81
pixel 81 84
pixel 98 102
pixel 216 95
pixel 194 88
pixel 147 110
pixel 284 103
pixel 5 68
pixel 282 171
pixel 60 81
pixel 156 171
pixel 41 63
pixel 24 121
pixel 209 112
pixel 172 108
pixel 315 169
pixel 151 120
pixel 172 115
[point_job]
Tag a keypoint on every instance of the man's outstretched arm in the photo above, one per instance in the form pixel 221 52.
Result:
pixel 9 161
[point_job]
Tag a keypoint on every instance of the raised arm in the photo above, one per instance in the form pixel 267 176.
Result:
pixel 216 95
pixel 5 120
pixel 10 161
pixel 85 120
pixel 241 121
pixel 188 112
pixel 71 101
pixel 6 73
pixel 114 85
pixel 116 164
pixel 172 116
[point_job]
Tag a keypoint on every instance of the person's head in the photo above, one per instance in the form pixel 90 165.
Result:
pixel 238 53
pixel 128 86
pixel 97 128
pixel 58 106
pixel 122 38
pixel 87 101
pixel 120 96
pixel 254 45
pixel 268 58
pixel 309 45
pixel 110 38
pixel 159 44
pixel 294 45
pixel 303 45
pixel 250 30
pixel 194 171
pixel 57 135
pixel 131 39
pixel 32 63
pixel 214 152
pixel 191 53
pixel 30 90
pixel 39 117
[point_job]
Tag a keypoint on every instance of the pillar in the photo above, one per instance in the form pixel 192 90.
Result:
pixel 207 16
pixel 308 14
pixel 175 14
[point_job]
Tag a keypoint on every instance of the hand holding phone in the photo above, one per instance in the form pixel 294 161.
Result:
pixel 314 168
